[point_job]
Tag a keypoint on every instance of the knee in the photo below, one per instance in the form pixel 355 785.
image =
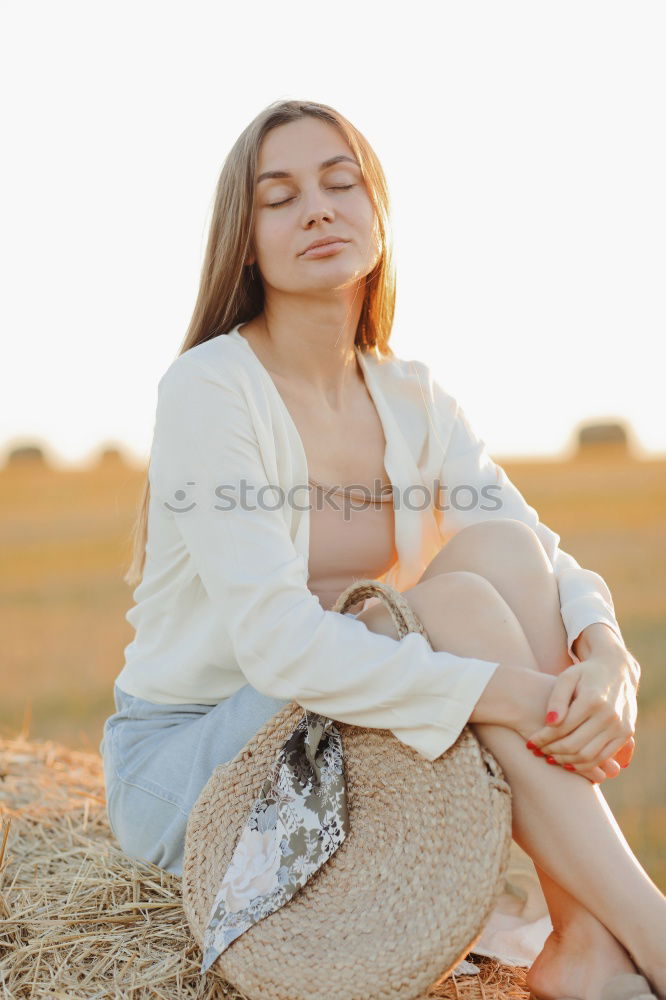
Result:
pixel 505 538
pixel 463 612
pixel 502 527
pixel 464 593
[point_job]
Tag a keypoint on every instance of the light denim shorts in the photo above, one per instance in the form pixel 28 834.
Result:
pixel 157 759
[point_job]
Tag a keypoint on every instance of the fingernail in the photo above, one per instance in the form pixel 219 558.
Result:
pixel 538 753
pixel 569 767
pixel 551 717
pixel 551 760
pixel 530 745
pixel 624 765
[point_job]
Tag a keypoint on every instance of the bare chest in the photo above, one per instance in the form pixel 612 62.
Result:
pixel 342 449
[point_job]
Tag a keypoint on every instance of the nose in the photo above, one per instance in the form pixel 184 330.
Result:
pixel 317 207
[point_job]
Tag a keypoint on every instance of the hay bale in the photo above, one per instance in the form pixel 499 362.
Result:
pixel 78 918
pixel 26 455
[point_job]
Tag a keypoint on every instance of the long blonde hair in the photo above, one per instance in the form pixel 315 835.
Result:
pixel 231 293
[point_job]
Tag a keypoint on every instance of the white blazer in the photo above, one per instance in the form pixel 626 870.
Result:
pixel 224 598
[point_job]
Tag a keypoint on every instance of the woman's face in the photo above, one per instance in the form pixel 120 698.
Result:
pixel 312 203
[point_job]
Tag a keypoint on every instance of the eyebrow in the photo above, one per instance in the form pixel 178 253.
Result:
pixel 270 174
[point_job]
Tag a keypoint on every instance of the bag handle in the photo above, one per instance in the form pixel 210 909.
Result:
pixel 402 613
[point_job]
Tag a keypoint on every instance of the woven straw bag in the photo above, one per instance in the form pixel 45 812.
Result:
pixel 403 898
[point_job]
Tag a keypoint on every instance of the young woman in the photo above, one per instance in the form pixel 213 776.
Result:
pixel 284 409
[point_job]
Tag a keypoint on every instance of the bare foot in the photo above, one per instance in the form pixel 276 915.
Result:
pixel 577 963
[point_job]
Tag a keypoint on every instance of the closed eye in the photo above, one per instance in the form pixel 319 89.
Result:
pixel 339 187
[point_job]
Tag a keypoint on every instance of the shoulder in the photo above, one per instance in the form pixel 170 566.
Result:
pixel 414 378
pixel 220 360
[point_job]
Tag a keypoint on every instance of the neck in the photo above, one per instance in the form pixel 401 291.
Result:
pixel 319 356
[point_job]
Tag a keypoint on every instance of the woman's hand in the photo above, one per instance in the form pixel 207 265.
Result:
pixel 530 700
pixel 591 713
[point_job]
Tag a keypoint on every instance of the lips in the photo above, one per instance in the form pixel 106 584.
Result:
pixel 324 242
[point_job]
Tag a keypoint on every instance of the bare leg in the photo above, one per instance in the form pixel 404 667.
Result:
pixel 560 818
pixel 509 555
pixel 566 826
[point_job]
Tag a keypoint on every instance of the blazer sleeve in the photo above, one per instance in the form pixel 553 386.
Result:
pixel 475 488
pixel 208 472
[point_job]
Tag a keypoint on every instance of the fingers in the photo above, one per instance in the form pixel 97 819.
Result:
pixel 594 774
pixel 569 749
pixel 594 752
pixel 590 744
pixel 550 735
pixel 626 752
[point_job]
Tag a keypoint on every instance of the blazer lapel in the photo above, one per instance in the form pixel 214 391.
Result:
pixel 416 534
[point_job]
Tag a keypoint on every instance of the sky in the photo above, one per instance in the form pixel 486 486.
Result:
pixel 525 152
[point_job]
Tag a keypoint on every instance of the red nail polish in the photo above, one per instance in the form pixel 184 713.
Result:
pixel 551 718
pixel 551 760
pixel 538 753
pixel 530 745
pixel 569 767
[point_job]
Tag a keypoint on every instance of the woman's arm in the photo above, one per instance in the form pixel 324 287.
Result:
pixel 208 472
pixel 475 488
pixel 600 639
pixel 600 690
